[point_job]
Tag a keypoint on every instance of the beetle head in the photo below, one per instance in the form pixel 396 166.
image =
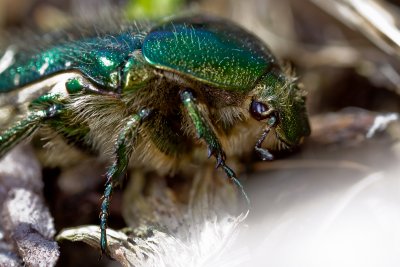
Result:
pixel 279 104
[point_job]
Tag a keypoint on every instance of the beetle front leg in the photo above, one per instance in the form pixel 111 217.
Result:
pixel 204 130
pixel 115 173
pixel 27 126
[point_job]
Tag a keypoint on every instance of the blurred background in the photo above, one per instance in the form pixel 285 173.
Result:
pixel 336 202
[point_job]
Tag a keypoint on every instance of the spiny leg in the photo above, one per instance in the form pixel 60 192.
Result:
pixel 115 173
pixel 41 109
pixel 204 130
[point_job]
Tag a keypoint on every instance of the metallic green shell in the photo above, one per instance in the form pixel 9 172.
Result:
pixel 209 50
pixel 98 58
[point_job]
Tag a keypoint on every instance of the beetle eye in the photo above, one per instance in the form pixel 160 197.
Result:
pixel 259 110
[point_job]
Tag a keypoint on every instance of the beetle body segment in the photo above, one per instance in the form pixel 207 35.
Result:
pixel 98 58
pixel 210 51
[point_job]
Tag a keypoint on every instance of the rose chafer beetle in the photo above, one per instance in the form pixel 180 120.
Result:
pixel 155 97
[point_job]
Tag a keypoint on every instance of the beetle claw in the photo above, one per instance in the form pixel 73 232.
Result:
pixel 264 153
pixel 220 160
pixel 209 152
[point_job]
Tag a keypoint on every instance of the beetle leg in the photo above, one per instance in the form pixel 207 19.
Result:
pixel 78 84
pixel 26 126
pixel 204 130
pixel 117 170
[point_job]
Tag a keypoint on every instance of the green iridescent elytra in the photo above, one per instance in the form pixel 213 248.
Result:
pixel 97 58
pixel 156 96
pixel 225 57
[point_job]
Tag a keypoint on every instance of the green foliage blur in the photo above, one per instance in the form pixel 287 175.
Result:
pixel 153 8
